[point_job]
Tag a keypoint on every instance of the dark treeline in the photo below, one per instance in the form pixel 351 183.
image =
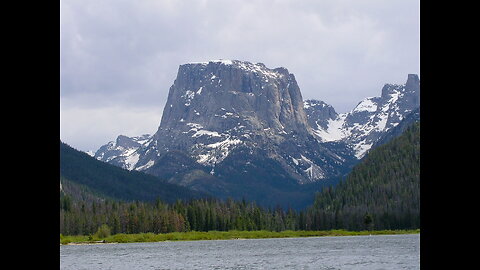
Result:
pixel 83 218
pixel 382 192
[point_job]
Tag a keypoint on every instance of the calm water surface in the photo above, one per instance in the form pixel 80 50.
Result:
pixel 344 252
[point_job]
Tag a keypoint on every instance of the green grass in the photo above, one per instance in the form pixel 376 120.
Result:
pixel 218 235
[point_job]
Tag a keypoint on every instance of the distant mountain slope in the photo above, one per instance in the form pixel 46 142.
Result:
pixel 399 129
pixel 115 182
pixel 369 120
pixel 385 186
pixel 121 152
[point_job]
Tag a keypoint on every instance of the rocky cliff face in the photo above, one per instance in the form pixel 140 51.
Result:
pixel 222 94
pixel 216 107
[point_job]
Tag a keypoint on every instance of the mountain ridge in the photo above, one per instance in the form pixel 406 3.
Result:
pixel 370 118
pixel 228 119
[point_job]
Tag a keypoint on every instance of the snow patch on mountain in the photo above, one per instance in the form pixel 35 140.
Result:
pixel 146 166
pixel 214 153
pixel 335 130
pixel 258 68
pixel 373 116
pixel 367 105
pixel 123 151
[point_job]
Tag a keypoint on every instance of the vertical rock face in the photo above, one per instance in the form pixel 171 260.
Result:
pixel 224 95
pixel 216 107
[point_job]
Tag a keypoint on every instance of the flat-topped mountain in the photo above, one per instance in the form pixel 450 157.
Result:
pixel 235 128
pixel 216 107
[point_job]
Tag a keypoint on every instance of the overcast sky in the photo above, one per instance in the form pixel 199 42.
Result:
pixel 120 57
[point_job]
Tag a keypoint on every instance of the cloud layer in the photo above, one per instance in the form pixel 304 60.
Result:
pixel 119 58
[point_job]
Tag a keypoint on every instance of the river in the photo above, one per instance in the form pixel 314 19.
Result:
pixel 339 252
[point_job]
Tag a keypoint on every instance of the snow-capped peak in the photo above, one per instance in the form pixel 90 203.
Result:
pixel 372 117
pixel 124 150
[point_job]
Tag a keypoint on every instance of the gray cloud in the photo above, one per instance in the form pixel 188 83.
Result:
pixel 119 58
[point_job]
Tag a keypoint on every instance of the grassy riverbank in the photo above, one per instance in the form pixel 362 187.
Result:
pixel 217 235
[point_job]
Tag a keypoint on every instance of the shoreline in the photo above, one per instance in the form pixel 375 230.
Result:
pixel 218 235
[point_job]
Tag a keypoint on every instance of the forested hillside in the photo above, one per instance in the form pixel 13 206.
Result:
pixel 115 182
pixel 381 192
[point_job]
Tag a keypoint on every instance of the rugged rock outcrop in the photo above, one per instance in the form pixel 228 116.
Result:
pixel 216 107
pixel 122 152
pixel 369 120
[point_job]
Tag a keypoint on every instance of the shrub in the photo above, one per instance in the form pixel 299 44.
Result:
pixel 103 231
